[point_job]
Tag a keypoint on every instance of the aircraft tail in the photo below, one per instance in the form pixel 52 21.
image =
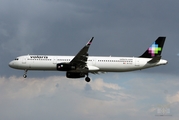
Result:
pixel 155 49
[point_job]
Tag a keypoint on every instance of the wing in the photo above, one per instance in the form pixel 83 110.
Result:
pixel 80 60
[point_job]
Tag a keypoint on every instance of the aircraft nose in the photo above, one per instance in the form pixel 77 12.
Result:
pixel 11 64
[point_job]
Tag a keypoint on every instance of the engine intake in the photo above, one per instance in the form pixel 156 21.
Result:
pixel 65 67
pixel 75 75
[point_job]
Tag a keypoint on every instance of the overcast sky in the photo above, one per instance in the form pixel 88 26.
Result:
pixel 62 27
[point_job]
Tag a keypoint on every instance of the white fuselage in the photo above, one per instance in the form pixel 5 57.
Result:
pixel 94 63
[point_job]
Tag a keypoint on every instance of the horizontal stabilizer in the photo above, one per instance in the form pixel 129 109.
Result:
pixel 155 59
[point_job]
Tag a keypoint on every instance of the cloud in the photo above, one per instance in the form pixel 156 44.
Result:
pixel 18 87
pixel 100 85
pixel 57 97
pixel 173 98
pixel 75 97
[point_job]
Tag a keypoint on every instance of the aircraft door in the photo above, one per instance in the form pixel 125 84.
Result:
pixel 94 61
pixel 23 60
pixel 55 60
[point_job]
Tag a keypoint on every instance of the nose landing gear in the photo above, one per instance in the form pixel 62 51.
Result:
pixel 25 74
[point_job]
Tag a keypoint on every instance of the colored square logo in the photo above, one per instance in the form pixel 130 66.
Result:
pixel 154 49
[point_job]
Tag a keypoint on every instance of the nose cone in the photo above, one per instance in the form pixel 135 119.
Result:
pixel 11 64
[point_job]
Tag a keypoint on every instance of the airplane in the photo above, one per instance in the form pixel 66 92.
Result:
pixel 82 64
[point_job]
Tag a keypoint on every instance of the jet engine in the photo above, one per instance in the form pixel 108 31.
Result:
pixel 65 67
pixel 75 75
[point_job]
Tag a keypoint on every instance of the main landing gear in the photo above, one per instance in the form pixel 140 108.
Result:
pixel 87 79
pixel 25 74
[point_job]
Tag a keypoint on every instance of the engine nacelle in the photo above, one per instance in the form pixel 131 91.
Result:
pixel 65 67
pixel 75 75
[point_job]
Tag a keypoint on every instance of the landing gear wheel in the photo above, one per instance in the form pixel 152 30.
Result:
pixel 87 79
pixel 24 75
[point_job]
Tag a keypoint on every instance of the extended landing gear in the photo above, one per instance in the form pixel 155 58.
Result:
pixel 25 74
pixel 87 79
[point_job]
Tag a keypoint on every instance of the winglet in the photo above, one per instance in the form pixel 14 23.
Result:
pixel 90 41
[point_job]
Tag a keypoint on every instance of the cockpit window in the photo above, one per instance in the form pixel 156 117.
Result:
pixel 17 59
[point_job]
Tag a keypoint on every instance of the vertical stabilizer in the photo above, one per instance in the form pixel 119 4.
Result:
pixel 155 49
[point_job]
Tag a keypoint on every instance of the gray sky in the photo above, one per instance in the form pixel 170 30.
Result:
pixel 61 27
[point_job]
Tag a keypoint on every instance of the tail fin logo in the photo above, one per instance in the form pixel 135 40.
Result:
pixel 154 49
